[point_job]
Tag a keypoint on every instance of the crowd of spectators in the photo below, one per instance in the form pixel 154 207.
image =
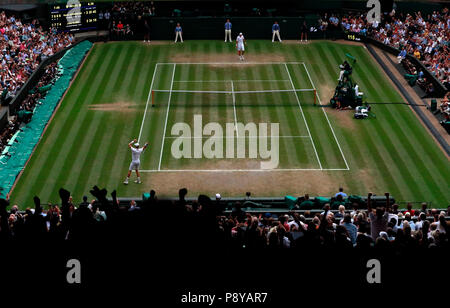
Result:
pixel 126 18
pixel 120 31
pixel 205 219
pixel 7 133
pixel 425 37
pixel 138 8
pixel 445 106
pixel 27 105
pixel 383 227
pixel 23 46
pixel 328 22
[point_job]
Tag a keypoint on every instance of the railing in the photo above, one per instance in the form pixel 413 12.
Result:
pixel 3 117
pixel 268 204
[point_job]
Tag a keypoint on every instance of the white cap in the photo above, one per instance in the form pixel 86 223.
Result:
pixel 240 33
pixel 218 196
pixel 383 234
pixel 136 144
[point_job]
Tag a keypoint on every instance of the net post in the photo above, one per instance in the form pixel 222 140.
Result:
pixel 153 98
pixel 315 96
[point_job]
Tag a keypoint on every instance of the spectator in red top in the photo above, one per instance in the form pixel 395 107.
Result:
pixel 409 209
pixel 284 221
pixel 120 29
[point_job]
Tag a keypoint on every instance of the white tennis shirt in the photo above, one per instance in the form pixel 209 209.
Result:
pixel 136 154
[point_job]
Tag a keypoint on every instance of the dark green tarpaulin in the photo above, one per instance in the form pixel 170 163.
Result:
pixel 20 151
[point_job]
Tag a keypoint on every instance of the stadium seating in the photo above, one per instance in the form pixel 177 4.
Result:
pixel 395 31
pixel 236 219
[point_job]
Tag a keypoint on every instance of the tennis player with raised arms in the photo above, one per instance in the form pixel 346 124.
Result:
pixel 135 160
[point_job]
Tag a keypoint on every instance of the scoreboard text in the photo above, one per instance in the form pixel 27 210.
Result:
pixel 74 16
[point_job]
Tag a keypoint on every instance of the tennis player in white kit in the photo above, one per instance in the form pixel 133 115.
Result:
pixel 135 160
pixel 240 40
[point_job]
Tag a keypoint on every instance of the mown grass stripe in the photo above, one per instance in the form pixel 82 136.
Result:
pixel 98 152
pixel 296 151
pixel 328 150
pixel 116 164
pixel 276 115
pixel 349 144
pixel 155 120
pixel 410 124
pixel 93 123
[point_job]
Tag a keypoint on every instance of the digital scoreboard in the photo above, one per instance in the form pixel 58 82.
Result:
pixel 352 37
pixel 73 16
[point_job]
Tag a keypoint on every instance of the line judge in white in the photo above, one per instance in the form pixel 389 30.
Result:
pixel 228 30
pixel 276 31
pixel 135 160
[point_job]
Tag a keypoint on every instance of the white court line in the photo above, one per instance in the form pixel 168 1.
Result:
pixel 301 110
pixel 231 92
pixel 238 170
pixel 234 109
pixel 167 116
pixel 227 63
pixel 237 80
pixel 146 104
pixel 230 137
pixel 326 116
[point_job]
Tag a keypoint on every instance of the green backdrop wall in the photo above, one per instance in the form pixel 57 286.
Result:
pixel 163 28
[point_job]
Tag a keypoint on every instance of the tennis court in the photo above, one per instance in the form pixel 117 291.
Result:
pixel 240 93
pixel 110 103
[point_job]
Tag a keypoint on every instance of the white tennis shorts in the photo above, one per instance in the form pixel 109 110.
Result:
pixel 134 165
pixel 240 47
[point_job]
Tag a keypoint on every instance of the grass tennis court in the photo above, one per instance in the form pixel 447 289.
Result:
pixel 109 104
pixel 232 93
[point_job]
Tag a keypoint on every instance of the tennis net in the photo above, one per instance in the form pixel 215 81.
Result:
pixel 232 96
